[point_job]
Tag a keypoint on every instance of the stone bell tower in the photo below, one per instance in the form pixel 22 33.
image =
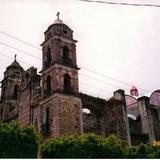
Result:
pixel 10 88
pixel 61 109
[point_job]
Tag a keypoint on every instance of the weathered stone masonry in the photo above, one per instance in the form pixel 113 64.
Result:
pixel 52 102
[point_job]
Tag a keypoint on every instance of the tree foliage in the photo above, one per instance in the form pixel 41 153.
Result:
pixel 83 146
pixel 17 141
pixel 94 146
pixel 23 142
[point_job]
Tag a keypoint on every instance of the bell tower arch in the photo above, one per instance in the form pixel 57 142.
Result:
pixel 60 80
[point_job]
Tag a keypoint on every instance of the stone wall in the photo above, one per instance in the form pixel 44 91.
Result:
pixel 106 117
pixel 154 121
pixel 65 114
pixel 24 107
pixel 116 117
pixel 93 122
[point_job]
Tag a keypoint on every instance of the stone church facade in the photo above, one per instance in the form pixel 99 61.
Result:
pixel 51 101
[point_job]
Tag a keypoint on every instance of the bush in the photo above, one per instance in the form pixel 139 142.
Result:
pixel 143 151
pixel 83 146
pixel 114 147
pixel 18 142
pixel 155 150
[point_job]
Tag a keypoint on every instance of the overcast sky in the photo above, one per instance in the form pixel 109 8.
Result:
pixel 122 42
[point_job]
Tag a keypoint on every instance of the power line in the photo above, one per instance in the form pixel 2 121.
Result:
pixel 95 87
pixel 27 53
pixel 12 58
pixel 125 83
pixel 4 44
pixel 31 65
pixel 6 34
pixel 81 74
pixel 80 83
pixel 124 4
pixel 128 84
pixel 101 81
pixel 106 91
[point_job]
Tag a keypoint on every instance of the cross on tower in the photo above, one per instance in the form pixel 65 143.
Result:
pixel 58 13
pixel 15 56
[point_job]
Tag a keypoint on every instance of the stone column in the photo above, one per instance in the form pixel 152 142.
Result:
pixel 119 95
pixel 146 120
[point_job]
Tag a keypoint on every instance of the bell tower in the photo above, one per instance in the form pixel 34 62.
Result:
pixel 60 81
pixel 10 88
pixel 60 71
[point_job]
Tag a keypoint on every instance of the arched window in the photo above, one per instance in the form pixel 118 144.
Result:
pixel 90 122
pixel 65 52
pixel 47 116
pixel 48 56
pixel 67 83
pixel 47 121
pixel 15 93
pixel 26 76
pixel 48 85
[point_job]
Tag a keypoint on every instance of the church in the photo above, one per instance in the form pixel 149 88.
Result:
pixel 51 101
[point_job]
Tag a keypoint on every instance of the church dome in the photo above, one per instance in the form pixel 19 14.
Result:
pixel 13 70
pixel 134 91
pixel 58 28
pixel 57 22
pixel 15 65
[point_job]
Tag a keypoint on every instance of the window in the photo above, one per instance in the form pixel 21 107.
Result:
pixel 48 85
pixel 46 122
pixel 17 72
pixel 65 57
pixel 15 93
pixel 47 116
pixel 67 83
pixel 65 52
pixel 64 31
pixel 48 56
pixel 27 76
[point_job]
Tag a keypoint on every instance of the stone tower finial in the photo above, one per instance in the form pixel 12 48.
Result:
pixel 58 13
pixel 15 56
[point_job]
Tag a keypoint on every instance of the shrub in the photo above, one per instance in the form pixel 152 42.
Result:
pixel 83 146
pixel 114 147
pixel 17 141
pixel 143 151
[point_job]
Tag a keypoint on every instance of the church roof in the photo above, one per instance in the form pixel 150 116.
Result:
pixel 15 64
pixel 58 21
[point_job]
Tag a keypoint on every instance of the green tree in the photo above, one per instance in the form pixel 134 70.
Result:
pixel 94 146
pixel 17 141
pixel 83 146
